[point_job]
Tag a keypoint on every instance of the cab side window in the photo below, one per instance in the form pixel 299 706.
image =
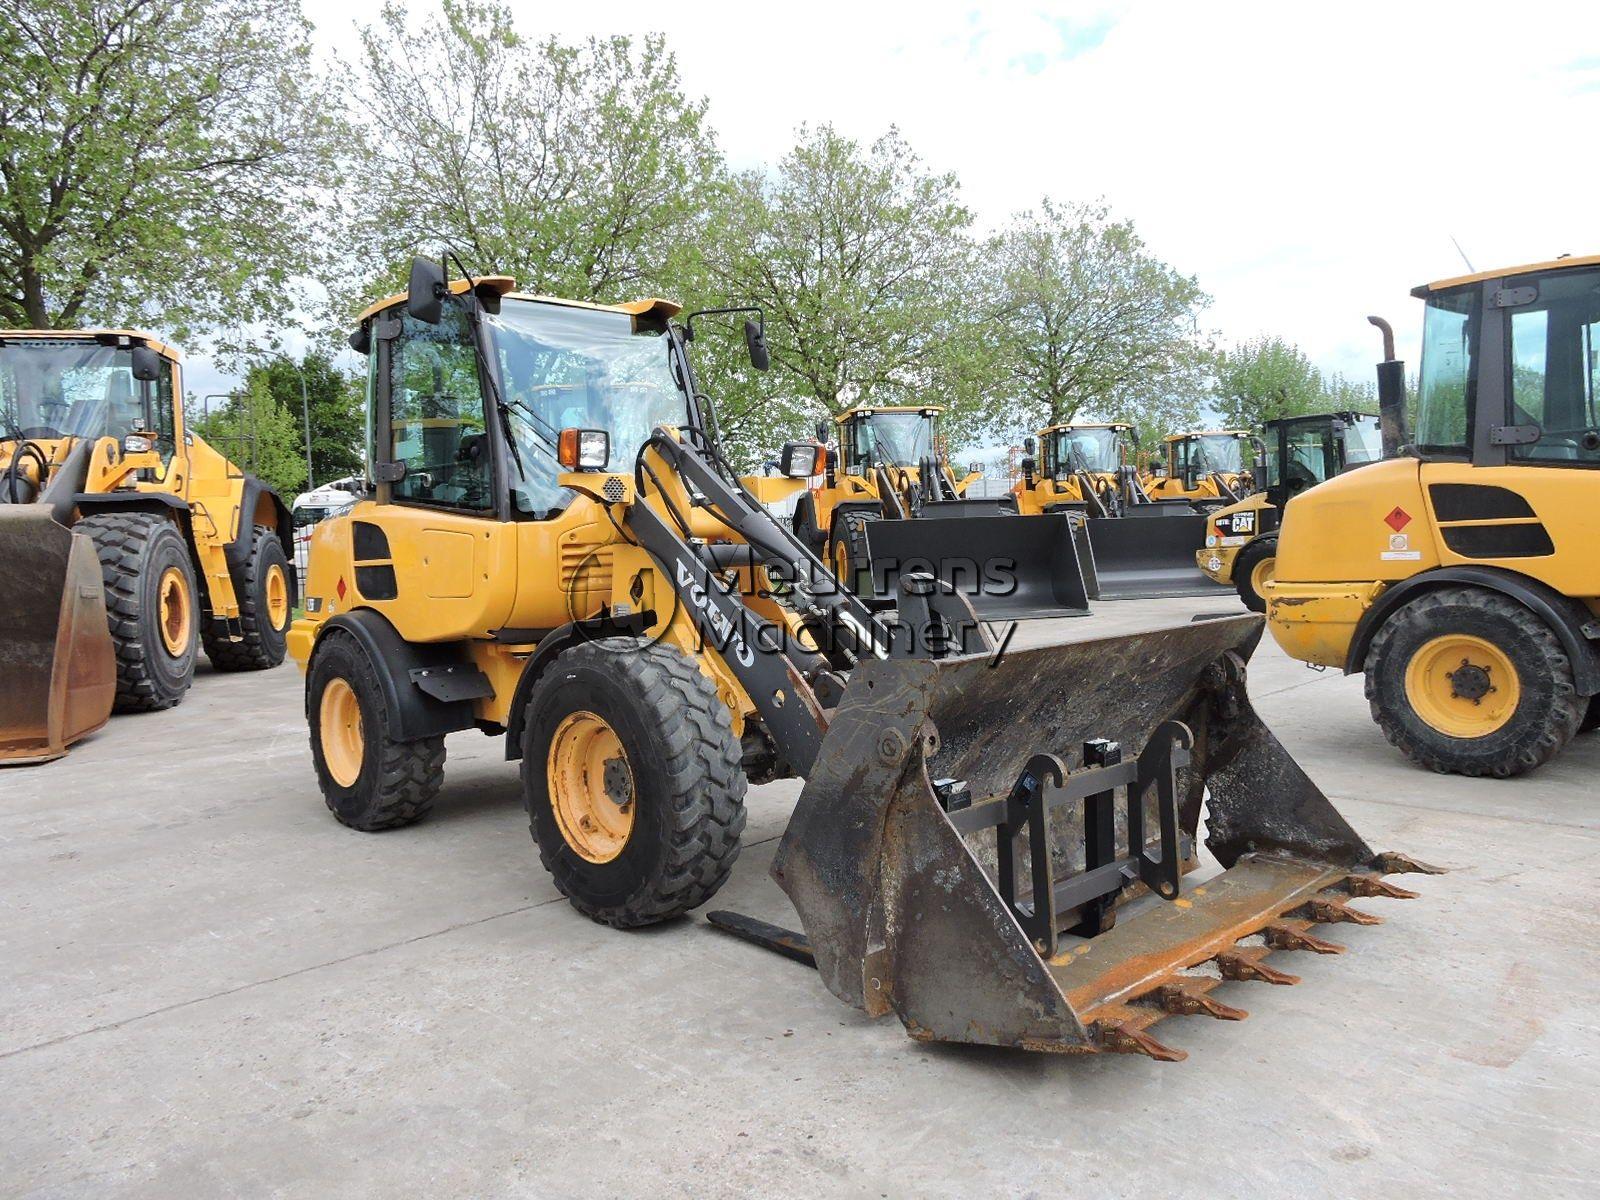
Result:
pixel 436 414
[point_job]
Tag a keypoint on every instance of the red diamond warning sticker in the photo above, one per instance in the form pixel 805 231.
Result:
pixel 1396 520
pixel 339 587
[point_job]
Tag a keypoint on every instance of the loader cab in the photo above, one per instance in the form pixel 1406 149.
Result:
pixel 886 437
pixel 1301 452
pixel 1095 449
pixel 1511 366
pixel 465 411
pixel 56 390
pixel 1192 457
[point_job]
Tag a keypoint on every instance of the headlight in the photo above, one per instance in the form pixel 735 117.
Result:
pixel 135 444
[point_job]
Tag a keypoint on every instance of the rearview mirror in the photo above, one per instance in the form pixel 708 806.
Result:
pixel 799 460
pixel 146 364
pixel 822 432
pixel 755 340
pixel 426 292
pixel 1029 445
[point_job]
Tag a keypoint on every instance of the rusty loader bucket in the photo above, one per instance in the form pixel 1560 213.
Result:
pixel 1149 552
pixel 57 667
pixel 1011 568
pixel 1003 853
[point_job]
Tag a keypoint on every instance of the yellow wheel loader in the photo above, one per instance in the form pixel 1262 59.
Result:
pixel 996 847
pixel 1459 575
pixel 1204 468
pixel 887 504
pixel 1301 452
pixel 128 542
pixel 1083 470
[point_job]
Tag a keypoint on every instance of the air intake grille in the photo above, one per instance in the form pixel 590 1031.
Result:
pixel 615 489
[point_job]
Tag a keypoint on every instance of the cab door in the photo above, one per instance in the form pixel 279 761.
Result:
pixel 435 555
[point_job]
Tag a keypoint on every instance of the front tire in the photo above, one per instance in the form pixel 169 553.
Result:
pixel 1252 567
pixel 265 596
pixel 633 781
pixel 370 780
pixel 152 606
pixel 848 555
pixel 1469 682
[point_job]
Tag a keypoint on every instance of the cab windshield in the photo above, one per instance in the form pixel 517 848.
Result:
pixel 53 388
pixel 894 439
pixel 1446 395
pixel 1219 452
pixel 563 367
pixel 1092 450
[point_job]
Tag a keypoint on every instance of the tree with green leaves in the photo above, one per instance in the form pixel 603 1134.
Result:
pixel 257 433
pixel 337 400
pixel 858 256
pixel 261 425
pixel 1268 377
pixel 1086 322
pixel 580 169
pixel 161 159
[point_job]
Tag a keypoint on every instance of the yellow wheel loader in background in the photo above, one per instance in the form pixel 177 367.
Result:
pixel 994 846
pixel 126 542
pixel 887 504
pixel 1083 470
pixel 1204 468
pixel 1460 575
pixel 1301 452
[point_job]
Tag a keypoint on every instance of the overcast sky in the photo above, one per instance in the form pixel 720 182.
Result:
pixel 1309 163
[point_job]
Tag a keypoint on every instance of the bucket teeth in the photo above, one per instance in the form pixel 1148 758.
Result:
pixel 1245 963
pixel 1331 912
pixel 1129 1039
pixel 1287 937
pixel 1192 998
pixel 1371 885
pixel 1391 863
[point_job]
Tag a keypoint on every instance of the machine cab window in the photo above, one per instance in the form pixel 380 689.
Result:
pixel 52 388
pixel 1555 369
pixel 436 414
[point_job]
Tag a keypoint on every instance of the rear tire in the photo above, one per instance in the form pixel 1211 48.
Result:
pixel 369 780
pixel 152 606
pixel 1506 656
pixel 677 794
pixel 1251 566
pixel 265 594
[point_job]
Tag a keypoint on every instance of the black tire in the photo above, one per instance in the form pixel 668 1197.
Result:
pixel 1591 716
pixel 1548 710
pixel 137 550
pixel 265 643
pixel 805 524
pixel 850 534
pixel 1244 564
pixel 397 781
pixel 685 769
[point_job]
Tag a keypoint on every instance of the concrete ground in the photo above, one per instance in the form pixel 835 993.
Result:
pixel 207 987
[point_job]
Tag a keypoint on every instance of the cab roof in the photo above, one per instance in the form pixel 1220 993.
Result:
pixel 870 410
pixel 1555 264
pixel 505 285
pixel 94 335
pixel 1199 433
pixel 1084 425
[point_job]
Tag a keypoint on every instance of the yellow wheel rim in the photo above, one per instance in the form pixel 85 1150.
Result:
pixel 277 597
pixel 1260 573
pixel 175 613
pixel 591 787
pixel 1463 686
pixel 339 723
pixel 841 563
